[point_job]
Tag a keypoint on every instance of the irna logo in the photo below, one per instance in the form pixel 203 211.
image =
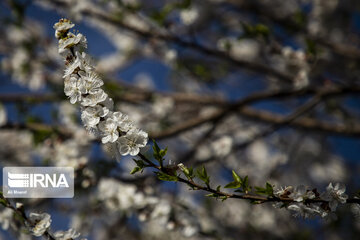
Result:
pixel 38 182
pixel 17 180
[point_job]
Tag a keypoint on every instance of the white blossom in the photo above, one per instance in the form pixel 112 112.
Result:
pixel 62 27
pixel 81 61
pixel 6 216
pixel 91 115
pixel 3 117
pixel 283 191
pixel 123 121
pixel 120 196
pixel 189 16
pixel 109 130
pixel 66 235
pixel 335 195
pixel 301 193
pixel 96 97
pixel 132 142
pixel 91 82
pixel 42 223
pixel 222 146
pixel 307 211
pixel 72 40
pixel 72 88
pixel 71 67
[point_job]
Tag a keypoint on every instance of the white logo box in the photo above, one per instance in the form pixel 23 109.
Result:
pixel 38 182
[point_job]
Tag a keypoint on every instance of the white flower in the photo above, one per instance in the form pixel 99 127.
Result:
pixel 117 195
pixel 335 195
pixel 6 217
pixel 85 61
pixel 307 211
pixel 91 115
pixel 82 61
pixel 97 96
pixel 108 103
pixel 3 117
pixel 72 67
pixel 66 235
pixel 300 194
pixel 284 191
pixel 72 40
pixel 132 142
pixel 222 146
pixel 246 49
pixel 123 121
pixel 62 27
pixel 189 16
pixel 72 88
pixel 92 82
pixel 109 130
pixel 42 223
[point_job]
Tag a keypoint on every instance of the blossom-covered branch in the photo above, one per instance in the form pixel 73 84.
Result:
pixel 36 224
pixel 302 200
pixel 83 85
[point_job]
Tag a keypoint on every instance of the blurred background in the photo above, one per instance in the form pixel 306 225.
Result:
pixel 270 89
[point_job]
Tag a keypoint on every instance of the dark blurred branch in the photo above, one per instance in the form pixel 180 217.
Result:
pixel 268 117
pixel 305 108
pixel 135 94
pixel 239 107
pixel 255 67
pixel 292 26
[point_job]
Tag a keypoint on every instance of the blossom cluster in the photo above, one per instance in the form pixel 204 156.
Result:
pixel 41 223
pixel 334 195
pixel 83 85
pixel 38 224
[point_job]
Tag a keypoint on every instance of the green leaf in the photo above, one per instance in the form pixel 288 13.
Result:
pixel 236 177
pixel 3 202
pixel 202 174
pixel 163 152
pixel 262 29
pixel 156 148
pixel 159 154
pixel 165 177
pixel 233 185
pixel 214 195
pixel 245 184
pixel 268 190
pixel 135 170
pixel 140 164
